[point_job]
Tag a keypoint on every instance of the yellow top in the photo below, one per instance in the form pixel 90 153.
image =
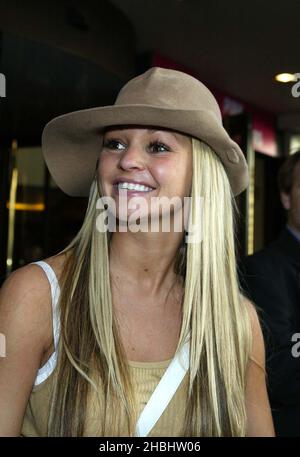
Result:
pixel 146 376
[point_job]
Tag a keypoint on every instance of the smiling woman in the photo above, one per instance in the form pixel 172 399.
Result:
pixel 138 333
pixel 154 165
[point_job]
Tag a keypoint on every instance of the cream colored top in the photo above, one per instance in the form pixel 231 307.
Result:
pixel 145 375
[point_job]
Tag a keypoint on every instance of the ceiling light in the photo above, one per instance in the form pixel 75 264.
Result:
pixel 285 77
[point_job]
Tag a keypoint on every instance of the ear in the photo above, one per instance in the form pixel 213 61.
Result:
pixel 285 200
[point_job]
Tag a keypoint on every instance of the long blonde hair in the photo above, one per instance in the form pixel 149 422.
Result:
pixel 91 357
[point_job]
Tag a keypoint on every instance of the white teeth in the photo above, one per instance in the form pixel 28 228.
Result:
pixel 131 186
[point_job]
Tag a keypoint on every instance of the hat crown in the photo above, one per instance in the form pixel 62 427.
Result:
pixel 170 89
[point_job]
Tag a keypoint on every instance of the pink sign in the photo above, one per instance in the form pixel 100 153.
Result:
pixel 264 136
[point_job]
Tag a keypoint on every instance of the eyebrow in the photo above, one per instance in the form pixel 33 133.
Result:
pixel 176 135
pixel 180 138
pixel 162 130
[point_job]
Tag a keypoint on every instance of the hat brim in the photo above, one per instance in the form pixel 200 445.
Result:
pixel 71 143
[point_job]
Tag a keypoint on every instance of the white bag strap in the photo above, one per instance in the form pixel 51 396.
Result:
pixel 164 391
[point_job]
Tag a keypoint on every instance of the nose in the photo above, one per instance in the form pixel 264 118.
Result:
pixel 132 157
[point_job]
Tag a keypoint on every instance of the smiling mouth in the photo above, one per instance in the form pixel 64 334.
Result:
pixel 130 187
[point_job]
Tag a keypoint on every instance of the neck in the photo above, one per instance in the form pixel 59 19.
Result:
pixel 145 260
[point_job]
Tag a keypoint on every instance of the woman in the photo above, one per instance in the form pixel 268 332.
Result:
pixel 151 335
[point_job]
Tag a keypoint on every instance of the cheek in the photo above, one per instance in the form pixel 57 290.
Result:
pixel 173 175
pixel 107 165
pixel 162 173
pixel 166 171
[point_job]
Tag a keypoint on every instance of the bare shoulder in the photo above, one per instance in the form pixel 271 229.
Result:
pixel 259 416
pixel 25 296
pixel 30 281
pixel 258 346
pixel 26 323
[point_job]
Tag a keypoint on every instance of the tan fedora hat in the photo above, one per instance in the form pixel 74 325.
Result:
pixel 161 97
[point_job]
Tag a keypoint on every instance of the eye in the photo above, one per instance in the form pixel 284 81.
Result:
pixel 111 144
pixel 158 144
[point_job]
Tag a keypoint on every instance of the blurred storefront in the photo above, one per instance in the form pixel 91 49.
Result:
pixel 57 60
pixel 47 76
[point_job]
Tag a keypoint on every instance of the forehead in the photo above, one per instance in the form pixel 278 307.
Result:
pixel 147 130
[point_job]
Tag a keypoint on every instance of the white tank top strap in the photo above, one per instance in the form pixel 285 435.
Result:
pixel 45 371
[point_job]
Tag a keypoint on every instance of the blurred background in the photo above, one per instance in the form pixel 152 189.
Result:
pixel 61 56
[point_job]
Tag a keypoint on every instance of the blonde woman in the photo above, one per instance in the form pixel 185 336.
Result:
pixel 138 333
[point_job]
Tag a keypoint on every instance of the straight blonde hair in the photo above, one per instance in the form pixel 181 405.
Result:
pixel 91 367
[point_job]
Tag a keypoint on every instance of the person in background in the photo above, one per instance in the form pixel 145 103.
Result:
pixel 271 278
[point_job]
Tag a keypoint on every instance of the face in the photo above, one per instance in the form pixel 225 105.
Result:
pixel 291 202
pixel 158 161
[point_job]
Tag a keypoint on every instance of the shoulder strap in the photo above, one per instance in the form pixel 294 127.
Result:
pixel 164 391
pixel 55 291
